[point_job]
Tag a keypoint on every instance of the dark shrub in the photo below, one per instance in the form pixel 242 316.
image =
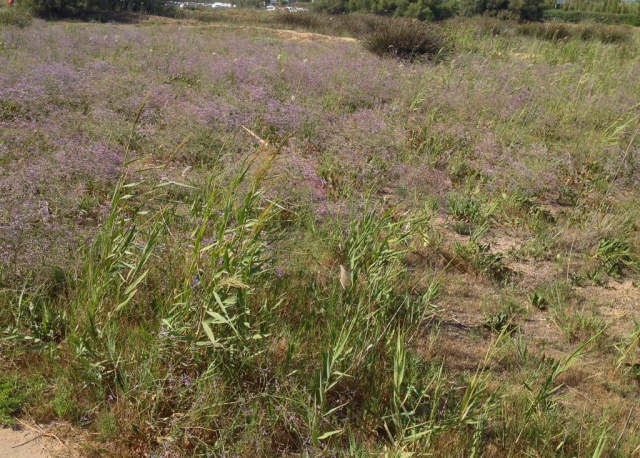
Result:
pixel 409 39
pixel 526 10
pixel 75 7
pixel 521 10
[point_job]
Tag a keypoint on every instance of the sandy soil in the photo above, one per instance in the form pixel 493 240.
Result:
pixel 28 442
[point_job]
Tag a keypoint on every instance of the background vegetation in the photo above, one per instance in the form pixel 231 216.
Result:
pixel 81 7
pixel 227 240
pixel 611 12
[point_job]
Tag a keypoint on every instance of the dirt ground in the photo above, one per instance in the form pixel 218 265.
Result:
pixel 31 442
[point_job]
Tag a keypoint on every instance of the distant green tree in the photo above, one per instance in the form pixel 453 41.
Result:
pixel 526 10
pixel 332 6
pixel 523 10
pixel 425 10
pixel 420 10
pixel 73 7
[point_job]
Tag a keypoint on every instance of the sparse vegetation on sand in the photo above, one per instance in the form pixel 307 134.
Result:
pixel 219 240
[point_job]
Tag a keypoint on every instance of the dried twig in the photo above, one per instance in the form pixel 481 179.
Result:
pixel 260 140
pixel 41 433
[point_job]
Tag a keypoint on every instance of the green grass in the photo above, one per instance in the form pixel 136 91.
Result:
pixel 445 265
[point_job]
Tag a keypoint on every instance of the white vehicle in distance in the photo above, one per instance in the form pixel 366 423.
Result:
pixel 200 5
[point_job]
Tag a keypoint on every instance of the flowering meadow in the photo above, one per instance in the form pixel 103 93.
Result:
pixel 179 198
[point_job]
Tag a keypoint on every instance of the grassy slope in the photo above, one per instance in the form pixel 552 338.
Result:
pixel 485 207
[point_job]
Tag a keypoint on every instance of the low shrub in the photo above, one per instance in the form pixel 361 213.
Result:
pixel 586 32
pixel 14 16
pixel 588 16
pixel 407 39
pixel 12 394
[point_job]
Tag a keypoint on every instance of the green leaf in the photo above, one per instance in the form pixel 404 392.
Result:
pixel 217 318
pixel 209 333
pixel 136 282
pixel 122 304
pixel 329 434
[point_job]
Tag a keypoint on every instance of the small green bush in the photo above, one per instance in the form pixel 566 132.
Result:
pixel 409 39
pixel 13 394
pixel 615 255
pixel 64 402
pixel 14 16
pixel 464 207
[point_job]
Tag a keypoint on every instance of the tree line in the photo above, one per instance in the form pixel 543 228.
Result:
pixel 528 10
pixel 74 7
pixel 425 10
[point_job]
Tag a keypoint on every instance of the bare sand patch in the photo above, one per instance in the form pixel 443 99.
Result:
pixel 32 441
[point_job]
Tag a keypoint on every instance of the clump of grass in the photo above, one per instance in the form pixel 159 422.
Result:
pixel 407 39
